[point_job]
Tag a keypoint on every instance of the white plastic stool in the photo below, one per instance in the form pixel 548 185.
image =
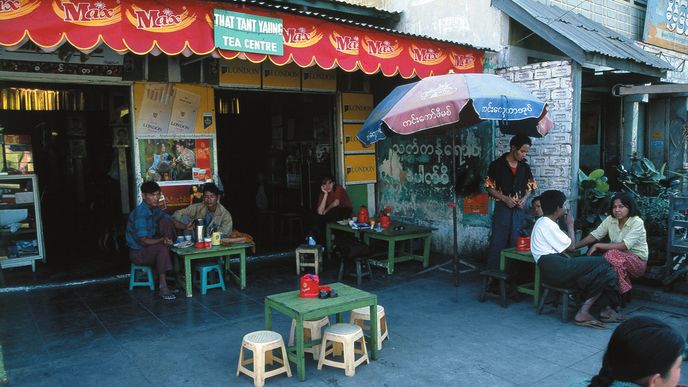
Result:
pixel 262 343
pixel 312 330
pixel 303 250
pixel 343 336
pixel 361 315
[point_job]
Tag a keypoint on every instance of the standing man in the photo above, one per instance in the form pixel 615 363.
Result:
pixel 150 232
pixel 215 215
pixel 509 182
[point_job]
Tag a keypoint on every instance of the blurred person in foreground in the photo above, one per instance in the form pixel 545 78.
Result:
pixel 642 351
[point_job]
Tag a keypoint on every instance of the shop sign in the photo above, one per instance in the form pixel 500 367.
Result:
pixel 81 69
pixel 356 106
pixel 316 79
pixel 666 24
pixel 236 31
pixel 281 77
pixel 360 169
pixel 351 143
pixel 240 73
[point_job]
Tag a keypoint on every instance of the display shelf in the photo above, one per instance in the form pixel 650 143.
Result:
pixel 13 187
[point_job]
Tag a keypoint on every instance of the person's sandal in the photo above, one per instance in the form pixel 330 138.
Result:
pixel 167 295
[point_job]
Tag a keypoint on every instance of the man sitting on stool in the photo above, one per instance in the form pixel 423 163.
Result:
pixel 215 215
pixel 150 232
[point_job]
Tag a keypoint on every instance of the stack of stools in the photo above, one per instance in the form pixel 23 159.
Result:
pixel 262 344
pixel 360 253
pixel 145 270
pixel 343 338
pixel 312 330
pixel 558 293
pixel 303 260
pixel 361 315
pixel 494 275
pixel 204 270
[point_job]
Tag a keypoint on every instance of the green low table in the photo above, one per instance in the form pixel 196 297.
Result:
pixel 190 253
pixel 301 309
pixel 391 236
pixel 530 288
pixel 339 227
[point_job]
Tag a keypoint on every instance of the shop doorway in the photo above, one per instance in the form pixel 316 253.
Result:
pixel 273 150
pixel 71 130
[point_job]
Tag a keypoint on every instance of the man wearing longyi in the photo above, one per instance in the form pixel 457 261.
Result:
pixel 150 232
pixel 215 215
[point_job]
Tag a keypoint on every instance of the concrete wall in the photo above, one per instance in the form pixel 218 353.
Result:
pixel 471 22
pixel 623 16
pixel 554 157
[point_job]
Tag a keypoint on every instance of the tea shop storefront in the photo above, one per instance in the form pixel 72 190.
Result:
pixel 266 100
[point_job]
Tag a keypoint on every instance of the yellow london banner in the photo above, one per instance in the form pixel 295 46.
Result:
pixel 351 144
pixel 316 79
pixel 356 106
pixel 239 73
pixel 281 77
pixel 173 108
pixel 360 168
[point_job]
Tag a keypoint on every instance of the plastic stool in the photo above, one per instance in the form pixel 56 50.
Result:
pixel 303 250
pixel 132 278
pixel 557 293
pixel 343 336
pixel 262 343
pixel 312 330
pixel 360 315
pixel 204 270
pixel 489 276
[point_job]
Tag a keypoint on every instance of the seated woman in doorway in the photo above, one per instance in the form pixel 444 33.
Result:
pixel 642 351
pixel 333 204
pixel 591 276
pixel 627 249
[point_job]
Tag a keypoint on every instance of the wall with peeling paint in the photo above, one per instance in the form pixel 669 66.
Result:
pixel 415 178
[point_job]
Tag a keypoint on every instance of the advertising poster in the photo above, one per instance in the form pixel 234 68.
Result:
pixel 477 204
pixel 665 25
pixel 360 169
pixel 240 73
pixel 356 106
pixel 165 108
pixel 287 77
pixel 351 144
pixel 180 196
pixel 170 159
pixel 316 79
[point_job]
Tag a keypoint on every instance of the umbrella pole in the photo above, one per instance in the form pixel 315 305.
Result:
pixel 456 236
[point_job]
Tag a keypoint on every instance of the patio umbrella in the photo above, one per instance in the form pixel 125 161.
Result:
pixel 458 100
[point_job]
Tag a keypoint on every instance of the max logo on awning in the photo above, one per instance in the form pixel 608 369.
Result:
pixel 9 5
pixel 300 38
pixel 165 20
pixel 344 43
pixel 86 11
pixel 383 49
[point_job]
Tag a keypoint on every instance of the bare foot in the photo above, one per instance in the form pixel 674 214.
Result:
pixel 584 316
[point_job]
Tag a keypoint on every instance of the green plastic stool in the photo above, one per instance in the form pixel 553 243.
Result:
pixel 132 278
pixel 204 270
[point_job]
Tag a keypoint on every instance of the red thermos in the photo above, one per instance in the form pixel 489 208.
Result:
pixel 363 216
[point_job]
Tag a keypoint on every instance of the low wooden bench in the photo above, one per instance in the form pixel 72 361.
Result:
pixel 558 293
pixel 488 277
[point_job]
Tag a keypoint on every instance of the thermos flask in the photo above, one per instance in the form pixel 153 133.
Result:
pixel 199 230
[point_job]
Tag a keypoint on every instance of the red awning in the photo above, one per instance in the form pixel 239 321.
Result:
pixel 186 27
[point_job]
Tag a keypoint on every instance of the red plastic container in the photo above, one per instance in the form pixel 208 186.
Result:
pixel 363 215
pixel 523 243
pixel 309 286
pixel 385 221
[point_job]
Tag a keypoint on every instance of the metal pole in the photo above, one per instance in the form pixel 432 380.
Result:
pixel 456 235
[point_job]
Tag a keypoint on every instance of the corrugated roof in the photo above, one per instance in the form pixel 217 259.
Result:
pixel 364 6
pixel 291 9
pixel 587 34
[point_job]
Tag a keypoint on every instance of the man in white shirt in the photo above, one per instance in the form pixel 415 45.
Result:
pixel 592 276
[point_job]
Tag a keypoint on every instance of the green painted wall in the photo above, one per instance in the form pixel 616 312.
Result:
pixel 358 194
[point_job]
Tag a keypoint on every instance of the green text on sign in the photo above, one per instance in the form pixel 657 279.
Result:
pixel 248 33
